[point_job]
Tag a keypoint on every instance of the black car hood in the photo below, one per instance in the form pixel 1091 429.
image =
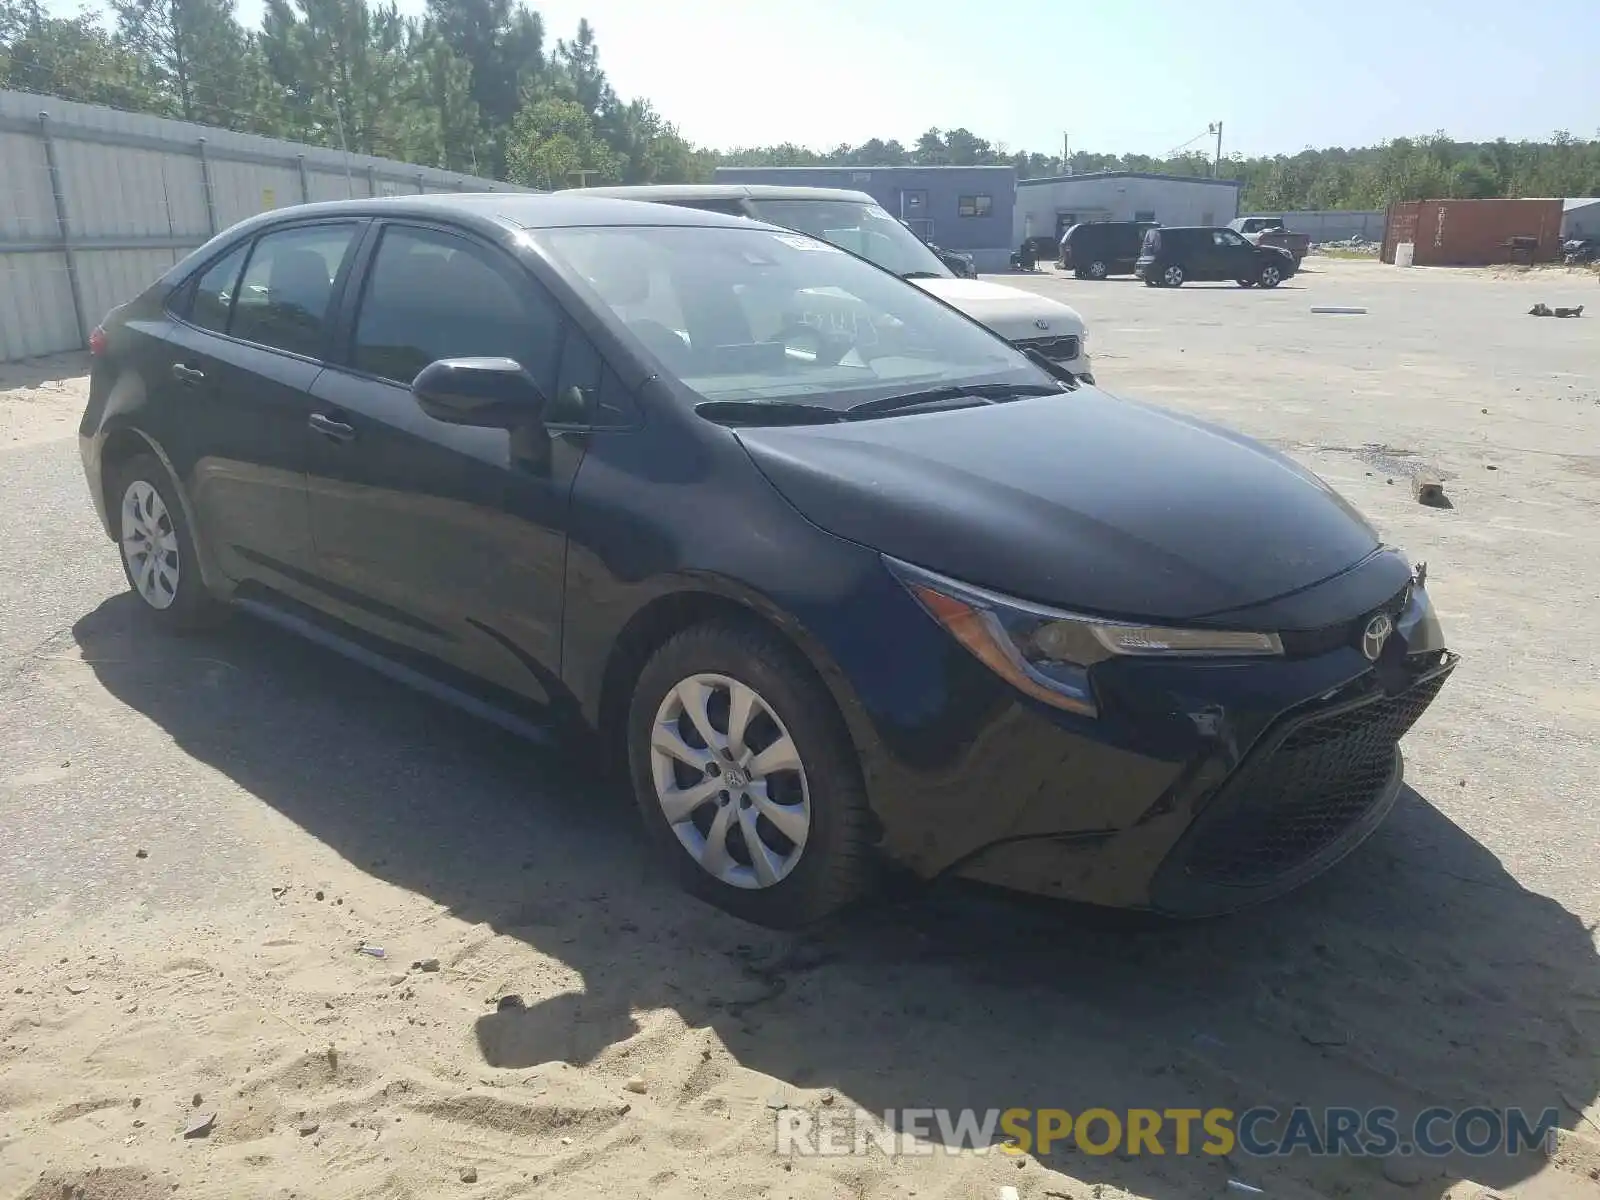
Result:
pixel 1083 501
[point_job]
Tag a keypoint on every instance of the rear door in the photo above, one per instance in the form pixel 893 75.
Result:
pixel 247 345
pixel 442 538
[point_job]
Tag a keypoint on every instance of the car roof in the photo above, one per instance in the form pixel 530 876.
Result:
pixel 523 210
pixel 722 191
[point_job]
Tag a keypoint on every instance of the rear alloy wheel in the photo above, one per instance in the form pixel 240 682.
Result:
pixel 158 554
pixel 745 777
pixel 1098 269
pixel 1172 276
pixel 1271 276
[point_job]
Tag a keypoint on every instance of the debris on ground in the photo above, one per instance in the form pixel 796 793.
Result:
pixel 512 1001
pixel 1327 308
pixel 635 1084
pixel 141 853
pixel 307 1128
pixel 201 1126
pixel 426 964
pixel 368 948
pixel 1429 490
pixel 1542 309
pixel 469 1174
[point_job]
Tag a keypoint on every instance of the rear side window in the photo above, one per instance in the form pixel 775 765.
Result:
pixel 211 305
pixel 432 295
pixel 1152 241
pixel 287 288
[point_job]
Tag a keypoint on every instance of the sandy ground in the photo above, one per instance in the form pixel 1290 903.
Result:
pixel 200 836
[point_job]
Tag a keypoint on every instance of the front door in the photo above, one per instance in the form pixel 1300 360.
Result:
pixel 443 538
pixel 1232 256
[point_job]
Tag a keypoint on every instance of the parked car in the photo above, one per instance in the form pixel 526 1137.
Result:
pixel 1175 255
pixel 856 222
pixel 958 264
pixel 842 577
pixel 1271 231
pixel 1096 249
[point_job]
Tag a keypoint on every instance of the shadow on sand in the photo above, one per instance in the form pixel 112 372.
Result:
pixel 1417 973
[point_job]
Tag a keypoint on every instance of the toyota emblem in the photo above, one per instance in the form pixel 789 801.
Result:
pixel 1375 635
pixel 1041 324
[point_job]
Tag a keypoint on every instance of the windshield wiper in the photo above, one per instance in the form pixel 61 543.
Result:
pixel 767 412
pixel 1050 367
pixel 975 393
pixel 920 275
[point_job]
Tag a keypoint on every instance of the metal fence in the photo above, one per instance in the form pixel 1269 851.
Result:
pixel 1332 224
pixel 96 203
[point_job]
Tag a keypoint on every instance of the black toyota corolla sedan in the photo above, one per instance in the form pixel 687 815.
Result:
pixel 842 578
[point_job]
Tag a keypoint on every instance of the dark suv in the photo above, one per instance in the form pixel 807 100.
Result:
pixel 1095 249
pixel 1174 256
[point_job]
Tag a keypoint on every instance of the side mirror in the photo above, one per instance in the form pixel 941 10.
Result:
pixel 488 393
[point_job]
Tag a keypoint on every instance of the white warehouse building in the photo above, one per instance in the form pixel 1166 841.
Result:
pixel 1046 207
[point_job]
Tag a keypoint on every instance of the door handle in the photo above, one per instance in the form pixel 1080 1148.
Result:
pixel 339 431
pixel 187 374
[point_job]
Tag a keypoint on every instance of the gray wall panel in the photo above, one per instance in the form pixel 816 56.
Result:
pixel 137 181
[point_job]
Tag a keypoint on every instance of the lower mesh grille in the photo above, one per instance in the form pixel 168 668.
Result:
pixel 1294 797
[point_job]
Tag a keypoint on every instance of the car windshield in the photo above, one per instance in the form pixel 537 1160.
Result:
pixel 864 229
pixel 757 315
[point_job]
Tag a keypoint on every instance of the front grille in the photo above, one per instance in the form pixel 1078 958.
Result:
pixel 1302 789
pixel 1056 349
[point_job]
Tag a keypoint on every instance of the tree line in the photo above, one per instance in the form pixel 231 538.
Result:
pixel 476 86
pixel 470 85
pixel 1406 168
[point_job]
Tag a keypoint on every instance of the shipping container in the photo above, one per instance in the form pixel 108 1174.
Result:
pixel 1475 233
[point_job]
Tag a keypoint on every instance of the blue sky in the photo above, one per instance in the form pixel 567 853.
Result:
pixel 1136 76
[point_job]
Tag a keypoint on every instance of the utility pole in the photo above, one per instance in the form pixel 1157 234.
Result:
pixel 1066 154
pixel 1216 163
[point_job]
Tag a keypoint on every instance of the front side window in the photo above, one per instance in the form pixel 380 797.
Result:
pixel 288 286
pixel 739 314
pixel 1226 237
pixel 974 206
pixel 864 229
pixel 432 295
pixel 211 305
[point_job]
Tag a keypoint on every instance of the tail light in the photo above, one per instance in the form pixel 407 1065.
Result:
pixel 97 341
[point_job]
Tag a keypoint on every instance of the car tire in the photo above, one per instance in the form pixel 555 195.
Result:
pixel 157 547
pixel 1270 275
pixel 1172 275
pixel 1247 283
pixel 809 802
pixel 1098 269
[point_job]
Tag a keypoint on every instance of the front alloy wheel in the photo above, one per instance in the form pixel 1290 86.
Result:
pixel 1271 276
pixel 730 781
pixel 1172 276
pixel 746 777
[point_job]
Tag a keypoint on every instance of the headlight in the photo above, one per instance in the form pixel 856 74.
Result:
pixel 1083 339
pixel 1047 653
